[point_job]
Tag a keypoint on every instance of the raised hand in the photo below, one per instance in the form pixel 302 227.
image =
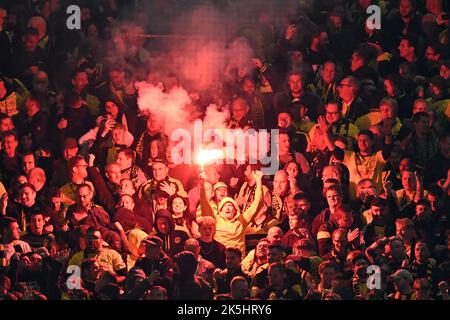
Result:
pixel 290 32
pixel 353 235
pixel 323 125
pixel 168 187
pixel 257 175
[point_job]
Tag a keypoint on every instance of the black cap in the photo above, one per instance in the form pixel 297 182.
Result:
pixel 153 240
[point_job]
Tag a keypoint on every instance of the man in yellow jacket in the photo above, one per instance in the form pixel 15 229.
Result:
pixel 230 222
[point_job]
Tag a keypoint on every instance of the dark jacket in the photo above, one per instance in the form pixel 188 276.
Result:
pixel 173 242
pixel 285 102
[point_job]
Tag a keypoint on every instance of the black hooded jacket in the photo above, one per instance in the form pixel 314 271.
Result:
pixel 173 241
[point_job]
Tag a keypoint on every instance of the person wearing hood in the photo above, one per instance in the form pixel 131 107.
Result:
pixel 40 25
pixel 173 238
pixel 136 251
pixel 231 223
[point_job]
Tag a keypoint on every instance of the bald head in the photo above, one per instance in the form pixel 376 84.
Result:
pixel 192 245
pixel 37 178
pixel 280 182
pixel 239 108
pixel 113 173
pixel 274 234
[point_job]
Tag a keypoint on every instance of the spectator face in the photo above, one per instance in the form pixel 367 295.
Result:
pixel 365 143
pixel 232 261
pixel 112 109
pixel 340 242
pixel 37 223
pixel 154 149
pixel 94 241
pixel 123 161
pixel 248 87
pixel 356 62
pixel 404 49
pixel 126 187
pixel 153 125
pixel 239 109
pixel 379 213
pixel 422 290
pixel 431 55
pixel 302 206
pixel 336 22
pixel 69 153
pixel 360 268
pixel 333 198
pixel 408 181
pixel 422 211
pixel 345 222
pixel 127 202
pixel 80 81
pixel 444 72
pixel 31 107
pixel 10 144
pixel 27 197
pixel 397 249
pixel 421 252
pixel 274 234
pixel 228 210
pixel 434 6
pixel 117 78
pixel 276 277
pixel 118 135
pixel 160 171
pixel 28 163
pixel 207 230
pixel 163 225
pixel 327 277
pixel 113 173
pixel 405 8
pixel 81 169
pixel 328 72
pixel 178 206
pixel 280 183
pixel 56 203
pixel 261 250
pixel 387 112
pixel 332 113
pixel 37 179
pixel 294 222
pixel 240 290
pixel 404 165
pixel 365 188
pixel 346 90
pixel 292 169
pixel 85 196
pixel 295 82
pixel 405 232
pixel 31 42
pixel 13 232
pixel 6 125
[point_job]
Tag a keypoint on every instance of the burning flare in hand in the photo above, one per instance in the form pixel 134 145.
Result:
pixel 208 156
